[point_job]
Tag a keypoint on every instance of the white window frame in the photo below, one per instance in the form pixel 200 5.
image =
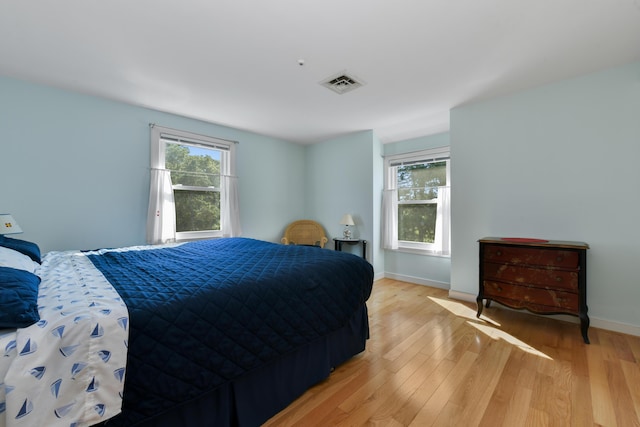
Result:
pixel 390 170
pixel 161 135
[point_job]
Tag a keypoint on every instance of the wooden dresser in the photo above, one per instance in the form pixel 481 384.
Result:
pixel 542 276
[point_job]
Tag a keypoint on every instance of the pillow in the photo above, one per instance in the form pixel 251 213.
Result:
pixel 30 249
pixel 18 298
pixel 14 259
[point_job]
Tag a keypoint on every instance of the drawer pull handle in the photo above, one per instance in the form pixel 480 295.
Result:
pixel 558 279
pixel 559 258
pixel 499 253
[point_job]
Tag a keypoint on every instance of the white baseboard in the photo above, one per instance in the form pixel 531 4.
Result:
pixel 463 296
pixel 593 321
pixel 417 280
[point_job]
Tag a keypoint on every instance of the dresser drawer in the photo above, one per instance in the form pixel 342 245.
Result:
pixel 546 277
pixel 525 295
pixel 531 256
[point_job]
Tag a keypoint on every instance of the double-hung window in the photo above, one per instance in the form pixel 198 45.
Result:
pixel 417 201
pixel 200 199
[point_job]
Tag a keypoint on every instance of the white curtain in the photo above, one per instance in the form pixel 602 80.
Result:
pixel 390 219
pixel 161 217
pixel 230 204
pixel 443 226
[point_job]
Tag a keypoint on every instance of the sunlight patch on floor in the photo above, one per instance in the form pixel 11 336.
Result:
pixel 489 328
pixel 461 310
pixel 498 334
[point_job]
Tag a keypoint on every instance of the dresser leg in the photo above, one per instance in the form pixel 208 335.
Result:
pixel 584 327
pixel 479 302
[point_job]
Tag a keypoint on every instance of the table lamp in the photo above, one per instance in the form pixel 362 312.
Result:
pixel 347 220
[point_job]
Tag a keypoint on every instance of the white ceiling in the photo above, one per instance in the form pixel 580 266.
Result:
pixel 235 62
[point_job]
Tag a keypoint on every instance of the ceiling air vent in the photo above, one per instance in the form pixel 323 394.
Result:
pixel 342 83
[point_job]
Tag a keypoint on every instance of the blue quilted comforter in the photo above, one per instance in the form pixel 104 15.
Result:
pixel 204 313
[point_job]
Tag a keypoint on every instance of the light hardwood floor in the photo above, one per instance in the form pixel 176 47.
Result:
pixel 431 362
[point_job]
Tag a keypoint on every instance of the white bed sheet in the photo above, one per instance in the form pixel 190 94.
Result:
pixel 68 369
pixel 7 354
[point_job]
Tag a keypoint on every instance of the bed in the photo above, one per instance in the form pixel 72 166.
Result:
pixel 215 332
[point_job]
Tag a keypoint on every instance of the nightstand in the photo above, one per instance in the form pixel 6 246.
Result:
pixel 338 245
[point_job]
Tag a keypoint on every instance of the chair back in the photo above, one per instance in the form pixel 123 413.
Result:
pixel 304 232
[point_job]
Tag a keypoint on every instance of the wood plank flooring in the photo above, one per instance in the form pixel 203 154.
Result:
pixel 431 362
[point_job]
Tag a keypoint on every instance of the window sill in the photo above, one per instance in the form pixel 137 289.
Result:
pixel 185 236
pixel 423 252
pixel 195 239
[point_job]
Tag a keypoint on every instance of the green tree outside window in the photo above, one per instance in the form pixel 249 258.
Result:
pixel 417 200
pixel 196 184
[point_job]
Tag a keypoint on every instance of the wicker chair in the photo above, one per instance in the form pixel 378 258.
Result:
pixel 304 232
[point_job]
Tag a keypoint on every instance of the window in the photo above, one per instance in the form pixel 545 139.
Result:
pixel 193 190
pixel 195 178
pixel 417 201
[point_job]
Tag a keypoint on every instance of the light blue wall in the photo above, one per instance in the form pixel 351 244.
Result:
pixel 556 162
pixel 339 180
pixel 74 169
pixel 417 268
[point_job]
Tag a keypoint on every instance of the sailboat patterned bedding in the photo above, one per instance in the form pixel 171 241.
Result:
pixel 149 331
pixel 68 368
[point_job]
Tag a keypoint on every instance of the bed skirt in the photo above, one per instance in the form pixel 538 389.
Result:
pixel 260 394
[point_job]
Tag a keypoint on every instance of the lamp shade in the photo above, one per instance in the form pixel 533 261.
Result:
pixel 347 220
pixel 8 225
